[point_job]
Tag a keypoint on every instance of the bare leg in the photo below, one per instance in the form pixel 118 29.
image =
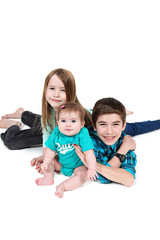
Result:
pixel 5 123
pixel 16 115
pixel 77 180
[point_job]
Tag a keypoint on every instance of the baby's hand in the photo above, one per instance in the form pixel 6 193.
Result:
pixel 44 166
pixel 92 174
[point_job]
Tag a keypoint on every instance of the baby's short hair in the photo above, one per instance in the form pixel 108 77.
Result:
pixel 71 107
pixel 108 106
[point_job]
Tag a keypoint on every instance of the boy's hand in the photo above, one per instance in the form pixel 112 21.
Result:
pixel 44 166
pixel 80 154
pixel 129 142
pixel 92 174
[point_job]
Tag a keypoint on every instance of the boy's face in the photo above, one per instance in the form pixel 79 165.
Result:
pixel 69 123
pixel 109 128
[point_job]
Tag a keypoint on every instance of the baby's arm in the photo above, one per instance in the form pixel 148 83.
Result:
pixel 91 163
pixel 48 156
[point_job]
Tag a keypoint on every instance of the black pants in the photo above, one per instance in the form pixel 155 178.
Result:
pixel 14 138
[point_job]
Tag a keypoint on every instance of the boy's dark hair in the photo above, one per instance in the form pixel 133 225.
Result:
pixel 108 106
pixel 72 107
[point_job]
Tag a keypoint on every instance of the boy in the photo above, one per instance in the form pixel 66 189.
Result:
pixel 116 160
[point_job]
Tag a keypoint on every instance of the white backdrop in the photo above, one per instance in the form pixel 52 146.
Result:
pixel 112 48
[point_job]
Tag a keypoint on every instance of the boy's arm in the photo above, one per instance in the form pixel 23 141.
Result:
pixel 114 174
pixel 128 144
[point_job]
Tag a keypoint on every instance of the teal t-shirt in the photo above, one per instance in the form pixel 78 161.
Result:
pixel 63 145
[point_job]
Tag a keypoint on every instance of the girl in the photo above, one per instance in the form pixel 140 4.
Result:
pixel 14 138
pixel 70 131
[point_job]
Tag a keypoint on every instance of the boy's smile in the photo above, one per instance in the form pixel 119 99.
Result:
pixel 109 128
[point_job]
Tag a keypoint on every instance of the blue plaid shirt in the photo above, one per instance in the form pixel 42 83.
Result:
pixel 104 153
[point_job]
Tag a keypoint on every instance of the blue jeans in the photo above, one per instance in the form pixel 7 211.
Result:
pixel 137 128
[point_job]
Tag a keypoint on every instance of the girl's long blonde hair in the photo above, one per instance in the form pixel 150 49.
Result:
pixel 70 87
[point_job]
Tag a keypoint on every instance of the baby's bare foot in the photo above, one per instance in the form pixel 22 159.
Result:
pixel 16 115
pixel 44 181
pixel 5 123
pixel 59 191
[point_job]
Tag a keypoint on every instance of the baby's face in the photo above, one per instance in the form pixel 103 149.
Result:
pixel 109 128
pixel 69 123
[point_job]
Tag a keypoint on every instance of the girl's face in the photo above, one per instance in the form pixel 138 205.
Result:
pixel 56 94
pixel 109 128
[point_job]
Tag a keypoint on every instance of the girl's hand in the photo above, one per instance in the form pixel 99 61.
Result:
pixel 92 174
pixel 80 154
pixel 37 162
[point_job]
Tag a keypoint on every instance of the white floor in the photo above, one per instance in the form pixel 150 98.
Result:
pixel 95 210
pixel 112 48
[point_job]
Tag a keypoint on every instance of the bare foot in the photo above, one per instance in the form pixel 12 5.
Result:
pixel 44 181
pixel 16 115
pixel 59 191
pixel 5 123
pixel 128 112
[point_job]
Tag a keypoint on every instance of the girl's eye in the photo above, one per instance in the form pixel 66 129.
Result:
pixel 51 88
pixel 62 90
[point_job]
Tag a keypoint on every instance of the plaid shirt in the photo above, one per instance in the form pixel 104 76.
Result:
pixel 104 153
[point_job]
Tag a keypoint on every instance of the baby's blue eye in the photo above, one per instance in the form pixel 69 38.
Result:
pixel 73 121
pixel 63 121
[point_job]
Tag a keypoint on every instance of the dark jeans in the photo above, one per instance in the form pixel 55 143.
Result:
pixel 14 138
pixel 138 128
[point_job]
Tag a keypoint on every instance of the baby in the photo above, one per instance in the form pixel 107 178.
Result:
pixel 70 131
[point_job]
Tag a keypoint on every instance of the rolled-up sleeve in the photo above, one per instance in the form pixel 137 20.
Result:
pixel 130 163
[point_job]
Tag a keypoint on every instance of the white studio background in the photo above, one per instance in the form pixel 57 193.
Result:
pixel 112 48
